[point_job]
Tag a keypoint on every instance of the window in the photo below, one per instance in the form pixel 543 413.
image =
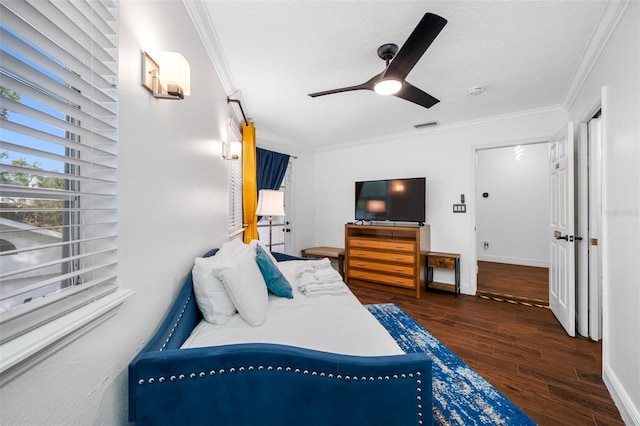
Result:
pixel 58 131
pixel 234 189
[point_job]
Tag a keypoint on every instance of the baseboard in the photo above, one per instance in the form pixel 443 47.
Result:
pixel 514 261
pixel 628 411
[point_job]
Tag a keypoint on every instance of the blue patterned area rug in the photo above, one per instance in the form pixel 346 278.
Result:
pixel 460 395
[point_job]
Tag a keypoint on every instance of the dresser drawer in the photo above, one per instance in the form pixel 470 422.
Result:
pixel 404 246
pixel 380 255
pixel 397 281
pixel 383 267
pixel 441 262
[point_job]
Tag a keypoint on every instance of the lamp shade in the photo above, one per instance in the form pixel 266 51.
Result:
pixel 175 70
pixel 270 203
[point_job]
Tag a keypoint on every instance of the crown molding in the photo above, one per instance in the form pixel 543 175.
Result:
pixel 201 19
pixel 199 14
pixel 611 14
pixel 498 120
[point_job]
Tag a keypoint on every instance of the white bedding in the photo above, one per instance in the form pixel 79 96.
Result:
pixel 330 323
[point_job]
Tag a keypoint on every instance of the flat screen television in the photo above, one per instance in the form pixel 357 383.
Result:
pixel 397 200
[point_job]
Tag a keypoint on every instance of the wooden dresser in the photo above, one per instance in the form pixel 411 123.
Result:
pixel 387 257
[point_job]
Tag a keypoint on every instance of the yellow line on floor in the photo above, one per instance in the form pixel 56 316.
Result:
pixel 512 301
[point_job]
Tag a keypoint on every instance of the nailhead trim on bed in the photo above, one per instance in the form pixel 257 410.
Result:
pixel 173 329
pixel 202 374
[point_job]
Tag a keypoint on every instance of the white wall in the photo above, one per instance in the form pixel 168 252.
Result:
pixel 514 218
pixel 618 68
pixel 172 208
pixel 446 156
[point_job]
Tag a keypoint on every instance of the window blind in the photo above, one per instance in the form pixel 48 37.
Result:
pixel 234 188
pixel 58 134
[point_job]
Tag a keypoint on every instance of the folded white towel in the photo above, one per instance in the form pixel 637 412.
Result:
pixel 322 263
pixel 306 279
pixel 329 278
pixel 309 278
pixel 325 272
pixel 315 290
pixel 306 267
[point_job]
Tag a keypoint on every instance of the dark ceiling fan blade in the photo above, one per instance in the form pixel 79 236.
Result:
pixel 342 89
pixel 368 85
pixel 418 42
pixel 413 94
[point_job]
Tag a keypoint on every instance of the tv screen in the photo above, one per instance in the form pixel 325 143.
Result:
pixel 399 200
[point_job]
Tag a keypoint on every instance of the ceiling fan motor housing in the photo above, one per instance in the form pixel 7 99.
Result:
pixel 387 51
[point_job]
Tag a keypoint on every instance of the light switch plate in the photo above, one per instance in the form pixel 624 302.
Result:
pixel 459 208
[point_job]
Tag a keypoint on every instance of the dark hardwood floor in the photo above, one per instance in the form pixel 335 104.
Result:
pixel 520 282
pixel 521 350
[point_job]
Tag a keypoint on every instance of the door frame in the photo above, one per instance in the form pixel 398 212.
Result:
pixel 473 284
pixel 587 213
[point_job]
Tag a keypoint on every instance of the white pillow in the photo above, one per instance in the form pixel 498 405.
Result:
pixel 244 283
pixel 212 297
pixel 227 249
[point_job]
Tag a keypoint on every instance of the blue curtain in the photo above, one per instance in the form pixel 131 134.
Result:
pixel 271 167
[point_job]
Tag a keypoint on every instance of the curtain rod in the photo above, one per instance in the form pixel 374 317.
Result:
pixel 229 100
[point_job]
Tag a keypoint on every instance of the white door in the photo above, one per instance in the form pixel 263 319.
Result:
pixel 561 230
pixel 595 218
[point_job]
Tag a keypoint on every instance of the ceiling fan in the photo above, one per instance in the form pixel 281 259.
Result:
pixel 400 62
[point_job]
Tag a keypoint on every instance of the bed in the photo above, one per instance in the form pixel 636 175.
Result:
pixel 315 360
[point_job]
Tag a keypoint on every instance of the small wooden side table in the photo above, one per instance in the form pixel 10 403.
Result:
pixel 332 253
pixel 443 261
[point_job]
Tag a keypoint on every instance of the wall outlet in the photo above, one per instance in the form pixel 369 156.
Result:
pixel 486 245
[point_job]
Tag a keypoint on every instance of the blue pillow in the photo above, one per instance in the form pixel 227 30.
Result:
pixel 276 281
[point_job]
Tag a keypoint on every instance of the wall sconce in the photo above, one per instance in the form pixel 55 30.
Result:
pixel 231 150
pixel 169 78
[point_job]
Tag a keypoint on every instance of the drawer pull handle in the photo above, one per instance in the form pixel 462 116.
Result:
pixel 399 258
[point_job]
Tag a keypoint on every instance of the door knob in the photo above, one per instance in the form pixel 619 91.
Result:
pixel 558 236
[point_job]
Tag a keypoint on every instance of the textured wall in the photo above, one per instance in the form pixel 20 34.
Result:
pixel 172 207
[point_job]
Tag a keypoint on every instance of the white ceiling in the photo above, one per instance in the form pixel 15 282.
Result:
pixel 273 53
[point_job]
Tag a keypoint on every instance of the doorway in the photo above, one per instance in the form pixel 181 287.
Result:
pixel 512 195
pixel 280 231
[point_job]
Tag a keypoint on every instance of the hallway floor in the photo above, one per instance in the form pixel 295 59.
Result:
pixel 515 282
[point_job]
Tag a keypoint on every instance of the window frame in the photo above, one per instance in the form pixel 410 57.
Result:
pixel 65 54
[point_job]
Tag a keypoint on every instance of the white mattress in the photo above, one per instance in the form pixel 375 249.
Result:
pixel 330 323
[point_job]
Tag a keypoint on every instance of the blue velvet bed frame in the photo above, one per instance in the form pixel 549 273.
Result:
pixel 268 384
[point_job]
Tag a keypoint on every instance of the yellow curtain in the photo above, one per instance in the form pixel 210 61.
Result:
pixel 249 182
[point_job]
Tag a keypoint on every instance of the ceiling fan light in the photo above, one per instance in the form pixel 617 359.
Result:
pixel 387 87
